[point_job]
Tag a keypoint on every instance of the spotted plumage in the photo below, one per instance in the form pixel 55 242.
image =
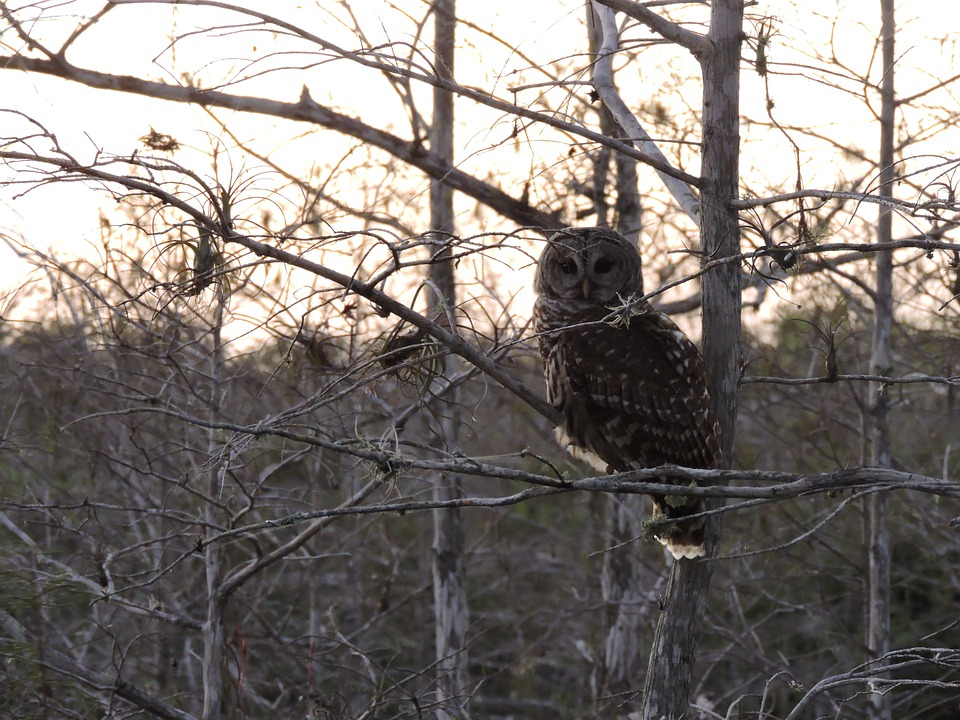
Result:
pixel 631 389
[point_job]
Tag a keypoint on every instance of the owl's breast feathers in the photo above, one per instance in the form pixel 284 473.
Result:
pixel 633 395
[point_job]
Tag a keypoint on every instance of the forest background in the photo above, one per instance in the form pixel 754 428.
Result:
pixel 273 437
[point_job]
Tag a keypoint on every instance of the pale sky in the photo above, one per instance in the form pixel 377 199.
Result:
pixel 87 120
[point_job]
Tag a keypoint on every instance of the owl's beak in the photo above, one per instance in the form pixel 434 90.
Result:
pixel 585 287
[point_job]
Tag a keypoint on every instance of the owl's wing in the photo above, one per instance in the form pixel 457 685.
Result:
pixel 636 394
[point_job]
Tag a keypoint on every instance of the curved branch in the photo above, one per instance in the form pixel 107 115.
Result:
pixel 477 96
pixel 867 674
pixel 60 663
pixel 450 340
pixel 667 29
pixel 239 576
pixel 769 485
pixel 604 85
pixel 305 110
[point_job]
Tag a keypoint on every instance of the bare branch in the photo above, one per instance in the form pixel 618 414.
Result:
pixel 452 341
pixel 911 208
pixel 688 482
pixel 665 28
pixel 238 577
pixel 882 379
pixel 63 665
pixel 307 110
pixel 867 675
pixel 603 82
pixel 642 482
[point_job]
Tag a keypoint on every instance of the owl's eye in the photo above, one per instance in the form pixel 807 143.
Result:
pixel 568 267
pixel 603 265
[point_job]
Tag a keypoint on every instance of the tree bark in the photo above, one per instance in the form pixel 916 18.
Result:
pixel 877 531
pixel 451 612
pixel 213 640
pixel 625 597
pixel 672 657
pixel 720 235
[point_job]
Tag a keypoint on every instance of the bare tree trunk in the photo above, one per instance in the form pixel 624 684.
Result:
pixel 213 641
pixel 877 531
pixel 628 207
pixel 625 597
pixel 451 613
pixel 670 671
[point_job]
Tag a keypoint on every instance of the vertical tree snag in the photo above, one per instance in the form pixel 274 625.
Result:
pixel 451 614
pixel 720 232
pixel 213 640
pixel 877 529
pixel 667 685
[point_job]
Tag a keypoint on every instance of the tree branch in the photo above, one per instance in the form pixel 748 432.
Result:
pixel 770 485
pixel 867 674
pixel 450 340
pixel 62 664
pixel 912 208
pixel 668 30
pixel 376 63
pixel 606 89
pixel 882 379
pixel 307 110
pixel 239 576
pixel 645 482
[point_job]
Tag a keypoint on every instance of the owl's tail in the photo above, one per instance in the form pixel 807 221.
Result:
pixel 683 535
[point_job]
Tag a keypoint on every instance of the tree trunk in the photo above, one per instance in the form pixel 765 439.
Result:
pixel 625 596
pixel 451 613
pixel 877 529
pixel 670 671
pixel 213 641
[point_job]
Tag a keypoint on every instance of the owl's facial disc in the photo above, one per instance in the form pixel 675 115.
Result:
pixel 589 265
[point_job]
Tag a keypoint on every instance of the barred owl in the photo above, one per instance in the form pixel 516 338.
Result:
pixel 633 394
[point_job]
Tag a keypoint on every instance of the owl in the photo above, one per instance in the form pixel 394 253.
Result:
pixel 632 391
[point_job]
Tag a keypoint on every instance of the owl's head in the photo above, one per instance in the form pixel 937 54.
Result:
pixel 588 265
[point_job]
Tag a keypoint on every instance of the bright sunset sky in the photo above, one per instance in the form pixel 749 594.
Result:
pixel 133 40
